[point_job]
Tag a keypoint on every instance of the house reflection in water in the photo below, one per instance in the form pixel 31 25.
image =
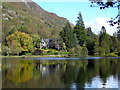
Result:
pixel 49 70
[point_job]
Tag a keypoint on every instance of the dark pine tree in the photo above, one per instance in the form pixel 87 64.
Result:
pixel 68 36
pixel 90 44
pixel 80 30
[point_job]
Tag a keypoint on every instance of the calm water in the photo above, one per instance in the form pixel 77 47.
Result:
pixel 93 72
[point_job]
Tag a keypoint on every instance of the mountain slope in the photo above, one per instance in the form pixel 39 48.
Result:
pixel 30 18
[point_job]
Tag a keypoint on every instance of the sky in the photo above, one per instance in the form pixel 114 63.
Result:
pixel 92 16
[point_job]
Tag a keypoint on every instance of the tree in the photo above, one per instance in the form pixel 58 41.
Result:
pixel 104 4
pixel 104 42
pixel 89 32
pixel 68 36
pixel 113 44
pixel 108 4
pixel 19 42
pixel 76 42
pixel 36 40
pixel 118 37
pixel 80 21
pixel 90 44
pixel 118 34
pixel 80 31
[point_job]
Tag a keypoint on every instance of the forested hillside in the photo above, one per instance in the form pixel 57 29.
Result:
pixel 30 18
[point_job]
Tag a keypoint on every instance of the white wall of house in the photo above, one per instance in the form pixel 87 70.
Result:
pixel 43 43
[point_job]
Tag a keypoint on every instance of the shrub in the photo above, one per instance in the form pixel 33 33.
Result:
pixel 28 53
pixel 118 53
pixel 113 55
pixel 5 50
pixel 56 53
pixel 79 51
pixel 84 52
pixel 38 52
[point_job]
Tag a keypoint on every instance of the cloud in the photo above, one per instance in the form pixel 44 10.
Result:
pixel 98 23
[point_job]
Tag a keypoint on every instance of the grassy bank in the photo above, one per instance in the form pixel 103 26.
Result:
pixel 35 56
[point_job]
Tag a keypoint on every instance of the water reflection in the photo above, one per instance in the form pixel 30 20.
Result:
pixel 86 73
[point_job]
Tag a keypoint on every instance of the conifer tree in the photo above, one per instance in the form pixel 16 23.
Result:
pixel 114 44
pixel 104 42
pixel 68 36
pixel 90 44
pixel 80 31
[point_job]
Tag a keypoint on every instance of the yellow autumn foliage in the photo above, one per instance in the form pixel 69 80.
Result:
pixel 20 41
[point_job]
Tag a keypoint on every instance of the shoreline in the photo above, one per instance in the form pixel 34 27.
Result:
pixel 34 56
pixel 65 56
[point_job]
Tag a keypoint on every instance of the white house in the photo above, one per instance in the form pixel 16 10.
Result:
pixel 44 43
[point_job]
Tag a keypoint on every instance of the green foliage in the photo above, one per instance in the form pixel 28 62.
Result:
pixel 67 36
pixel 89 32
pixel 36 40
pixel 79 51
pixel 80 31
pixel 53 52
pixel 19 42
pixel 80 21
pixel 63 52
pixel 96 47
pixel 12 31
pixel 118 34
pixel 101 51
pixel 27 53
pixel 118 53
pixel 23 28
pixel 76 42
pixel 90 42
pixel 114 44
pixel 38 52
pixel 84 52
pixel 5 50
pixel 114 54
pixel 104 42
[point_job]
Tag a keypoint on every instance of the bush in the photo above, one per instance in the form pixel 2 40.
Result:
pixel 79 51
pixel 84 51
pixel 51 52
pixel 56 53
pixel 118 53
pixel 28 53
pixel 113 55
pixel 5 50
pixel 38 52
pixel 63 52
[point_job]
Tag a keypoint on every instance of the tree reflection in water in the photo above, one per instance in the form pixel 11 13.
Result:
pixel 61 73
pixel 20 71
